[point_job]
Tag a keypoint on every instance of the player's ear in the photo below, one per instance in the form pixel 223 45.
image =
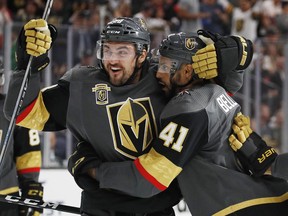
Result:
pixel 189 71
pixel 142 56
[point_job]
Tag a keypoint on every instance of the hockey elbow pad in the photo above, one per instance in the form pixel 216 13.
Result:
pixel 254 154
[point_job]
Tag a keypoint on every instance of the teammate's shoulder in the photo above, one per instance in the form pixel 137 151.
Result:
pixel 209 89
pixel 79 73
pixel 199 97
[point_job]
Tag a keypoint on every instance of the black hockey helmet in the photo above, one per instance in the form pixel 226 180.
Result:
pixel 180 47
pixel 127 29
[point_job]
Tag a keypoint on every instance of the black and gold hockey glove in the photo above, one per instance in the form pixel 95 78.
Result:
pixel 83 159
pixel 251 150
pixel 31 190
pixel 221 55
pixel 35 39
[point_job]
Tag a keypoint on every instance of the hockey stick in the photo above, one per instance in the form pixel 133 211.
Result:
pixel 39 204
pixel 21 94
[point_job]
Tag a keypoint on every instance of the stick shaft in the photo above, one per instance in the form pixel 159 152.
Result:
pixel 21 95
pixel 39 204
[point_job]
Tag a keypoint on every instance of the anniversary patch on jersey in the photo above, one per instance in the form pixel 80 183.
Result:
pixel 101 93
pixel 133 126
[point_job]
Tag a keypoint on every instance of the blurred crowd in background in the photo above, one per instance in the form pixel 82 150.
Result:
pixel 265 22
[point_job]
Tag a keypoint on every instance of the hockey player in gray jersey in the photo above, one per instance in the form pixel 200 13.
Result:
pixel 116 107
pixel 193 147
pixel 21 165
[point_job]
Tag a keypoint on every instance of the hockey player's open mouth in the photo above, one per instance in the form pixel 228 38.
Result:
pixel 115 69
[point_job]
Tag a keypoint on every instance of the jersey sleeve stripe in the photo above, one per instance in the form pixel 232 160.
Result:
pixel 147 176
pixel 158 169
pixel 10 190
pixel 29 170
pixel 35 115
pixel 25 112
pixel 29 160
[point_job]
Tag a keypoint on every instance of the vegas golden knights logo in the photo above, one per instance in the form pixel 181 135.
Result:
pixel 133 126
pixel 190 43
pixel 101 93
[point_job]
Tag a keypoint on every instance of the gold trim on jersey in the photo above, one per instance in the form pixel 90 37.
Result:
pixel 29 160
pixel 37 117
pixel 9 190
pixel 252 202
pixel 160 167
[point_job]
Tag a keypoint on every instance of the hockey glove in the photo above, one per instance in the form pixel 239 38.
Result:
pixel 82 160
pixel 221 55
pixel 35 39
pixel 31 190
pixel 251 150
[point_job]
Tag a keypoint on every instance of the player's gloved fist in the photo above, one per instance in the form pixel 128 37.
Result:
pixel 242 129
pixel 31 190
pixel 205 62
pixel 81 161
pixel 38 39
pixel 222 54
pixel 251 150
pixel 35 39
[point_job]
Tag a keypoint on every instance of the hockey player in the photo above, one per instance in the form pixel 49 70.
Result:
pixel 21 165
pixel 193 147
pixel 115 107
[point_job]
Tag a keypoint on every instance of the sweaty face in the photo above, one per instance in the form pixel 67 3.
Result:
pixel 119 61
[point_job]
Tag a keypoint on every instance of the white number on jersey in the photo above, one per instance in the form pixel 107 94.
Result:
pixel 34 138
pixel 168 136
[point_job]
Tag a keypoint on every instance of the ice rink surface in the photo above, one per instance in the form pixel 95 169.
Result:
pixel 59 187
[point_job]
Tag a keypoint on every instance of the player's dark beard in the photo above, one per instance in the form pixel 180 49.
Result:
pixel 133 75
pixel 174 87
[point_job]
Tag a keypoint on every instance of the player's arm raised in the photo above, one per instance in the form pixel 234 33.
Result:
pixel 224 58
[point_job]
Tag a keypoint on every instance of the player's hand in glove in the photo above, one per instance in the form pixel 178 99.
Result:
pixel 221 55
pixel 35 39
pixel 252 151
pixel 32 190
pixel 80 164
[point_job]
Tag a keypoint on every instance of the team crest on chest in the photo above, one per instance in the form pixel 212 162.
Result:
pixel 101 93
pixel 133 126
